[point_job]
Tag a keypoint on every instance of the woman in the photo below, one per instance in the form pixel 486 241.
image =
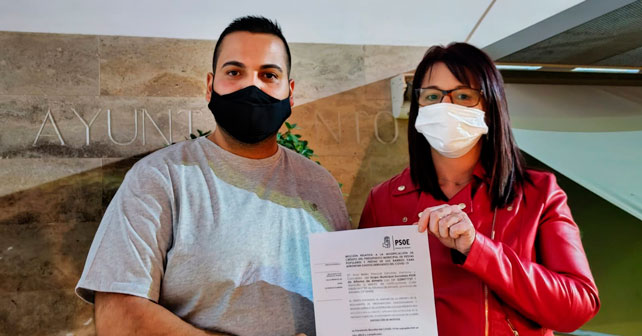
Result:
pixel 506 256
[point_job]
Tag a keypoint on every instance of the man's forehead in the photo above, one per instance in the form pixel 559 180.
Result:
pixel 252 48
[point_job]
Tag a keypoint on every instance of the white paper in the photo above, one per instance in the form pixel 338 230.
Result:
pixel 372 282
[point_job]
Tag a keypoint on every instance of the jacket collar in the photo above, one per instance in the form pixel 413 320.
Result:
pixel 402 183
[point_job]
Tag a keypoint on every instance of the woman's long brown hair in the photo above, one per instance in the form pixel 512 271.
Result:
pixel 500 156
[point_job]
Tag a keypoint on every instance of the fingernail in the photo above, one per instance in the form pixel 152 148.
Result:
pixel 462 206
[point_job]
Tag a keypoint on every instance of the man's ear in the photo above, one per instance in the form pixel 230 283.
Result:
pixel 210 85
pixel 291 92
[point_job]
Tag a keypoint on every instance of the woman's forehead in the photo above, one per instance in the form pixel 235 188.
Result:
pixel 439 74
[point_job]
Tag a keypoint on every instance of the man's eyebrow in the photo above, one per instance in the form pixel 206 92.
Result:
pixel 233 63
pixel 271 66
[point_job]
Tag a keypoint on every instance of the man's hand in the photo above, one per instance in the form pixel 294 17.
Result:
pixel 450 225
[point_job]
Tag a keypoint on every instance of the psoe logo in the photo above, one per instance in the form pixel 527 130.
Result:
pixel 386 242
pixel 402 242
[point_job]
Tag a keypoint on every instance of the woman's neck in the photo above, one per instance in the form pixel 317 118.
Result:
pixel 454 174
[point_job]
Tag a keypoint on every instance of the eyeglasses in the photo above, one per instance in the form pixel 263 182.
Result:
pixel 462 95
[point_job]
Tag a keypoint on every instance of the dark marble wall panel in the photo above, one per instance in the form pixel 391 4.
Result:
pixel 45 235
pixel 71 199
pixel 40 265
pixel 23 174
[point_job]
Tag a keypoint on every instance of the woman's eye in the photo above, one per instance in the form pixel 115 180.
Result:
pixel 432 97
pixel 463 96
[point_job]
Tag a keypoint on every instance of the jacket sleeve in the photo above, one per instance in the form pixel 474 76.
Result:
pixel 368 217
pixel 558 291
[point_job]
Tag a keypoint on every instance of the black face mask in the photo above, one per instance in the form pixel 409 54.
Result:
pixel 249 115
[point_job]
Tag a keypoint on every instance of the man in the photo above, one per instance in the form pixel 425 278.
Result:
pixel 210 235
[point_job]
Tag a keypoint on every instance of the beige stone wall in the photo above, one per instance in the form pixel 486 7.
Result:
pixel 341 129
pixel 57 179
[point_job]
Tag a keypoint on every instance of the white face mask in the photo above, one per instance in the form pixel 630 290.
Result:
pixel 452 130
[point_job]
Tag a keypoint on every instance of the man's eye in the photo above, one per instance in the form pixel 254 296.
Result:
pixel 271 76
pixel 233 73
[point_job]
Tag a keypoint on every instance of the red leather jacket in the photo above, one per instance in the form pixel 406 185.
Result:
pixel 530 279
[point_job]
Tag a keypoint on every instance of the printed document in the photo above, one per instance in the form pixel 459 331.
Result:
pixel 372 282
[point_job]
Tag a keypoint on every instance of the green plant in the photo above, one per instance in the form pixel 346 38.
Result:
pixel 200 134
pixel 294 141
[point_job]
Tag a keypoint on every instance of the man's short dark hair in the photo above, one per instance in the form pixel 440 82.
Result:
pixel 252 24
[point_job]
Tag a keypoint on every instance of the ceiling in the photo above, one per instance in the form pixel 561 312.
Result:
pixel 378 22
pixel 612 39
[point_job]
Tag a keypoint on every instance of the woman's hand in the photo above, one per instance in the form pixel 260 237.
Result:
pixel 450 225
